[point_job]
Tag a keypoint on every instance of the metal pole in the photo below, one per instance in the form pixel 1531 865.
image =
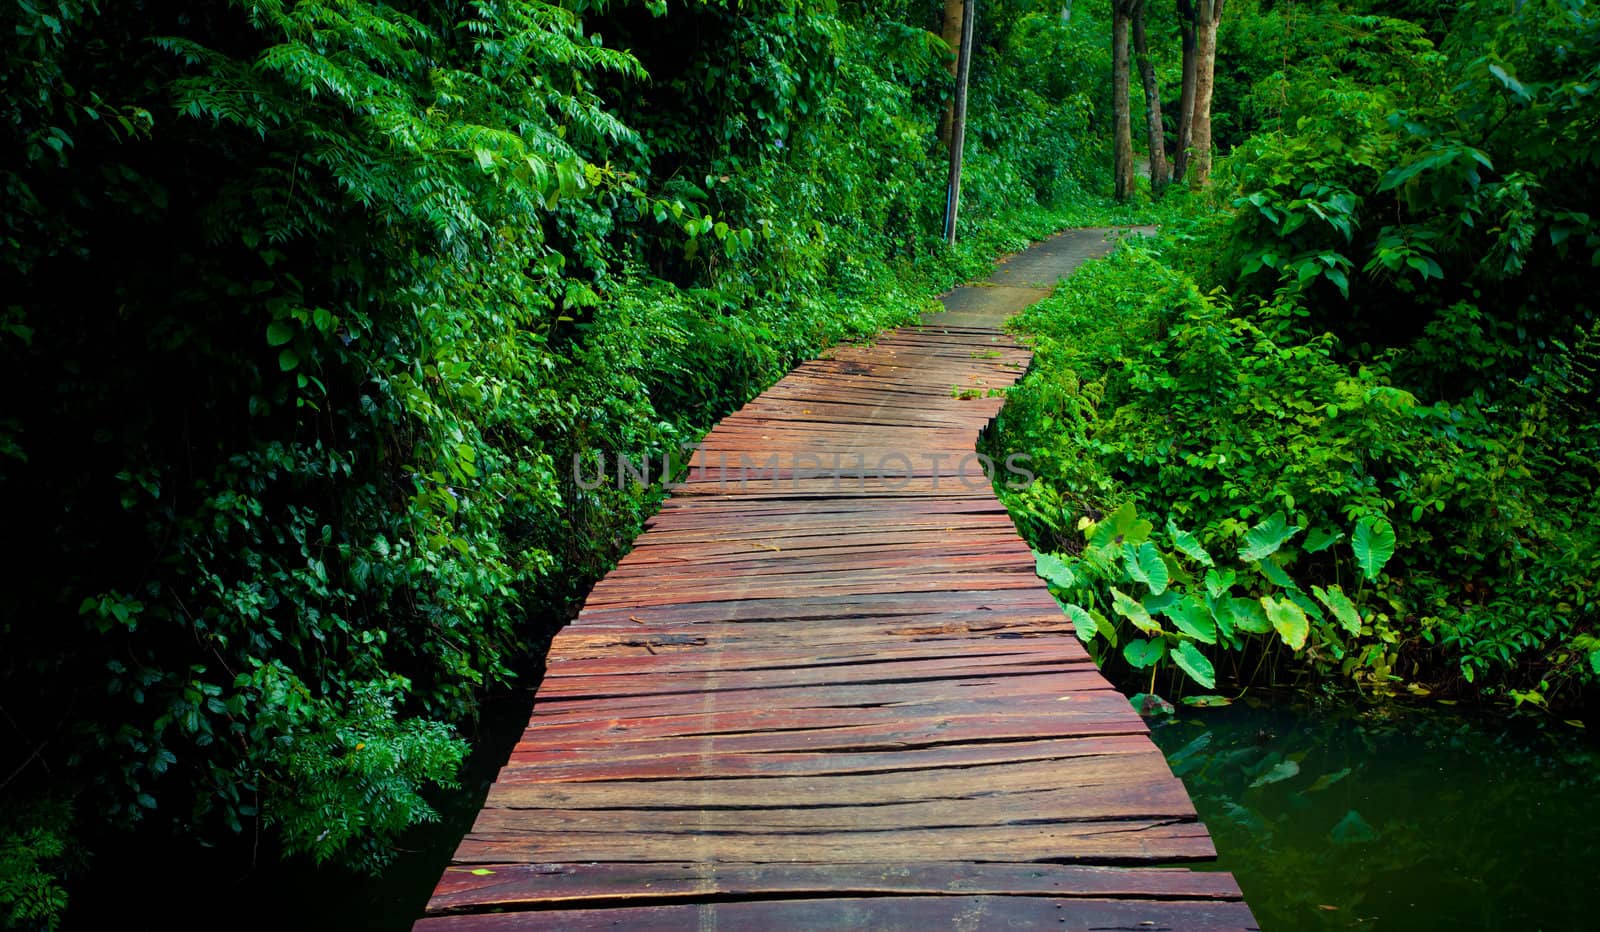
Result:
pixel 958 132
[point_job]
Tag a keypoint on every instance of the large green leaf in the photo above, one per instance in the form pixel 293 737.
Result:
pixel 1283 770
pixel 1188 544
pixel 1264 539
pixel 1053 570
pixel 1145 565
pixel 1194 619
pixel 1191 661
pixel 1307 605
pixel 1142 654
pixel 1082 624
pixel 1123 526
pixel 1222 614
pixel 1288 619
pixel 1318 540
pixel 1219 582
pixel 1105 627
pixel 1249 616
pixel 1131 609
pixel 1341 606
pixel 1277 575
pixel 1373 544
pixel 1156 604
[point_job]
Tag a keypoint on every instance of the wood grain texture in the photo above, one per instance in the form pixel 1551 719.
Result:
pixel 859 914
pixel 826 690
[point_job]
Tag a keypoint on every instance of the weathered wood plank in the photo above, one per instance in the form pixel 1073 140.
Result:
pixel 887 912
pixel 977 782
pixel 1151 840
pixel 512 885
pixel 887 764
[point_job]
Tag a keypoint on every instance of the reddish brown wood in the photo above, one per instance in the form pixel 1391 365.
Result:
pixel 823 694
pixel 510 885
pixel 883 912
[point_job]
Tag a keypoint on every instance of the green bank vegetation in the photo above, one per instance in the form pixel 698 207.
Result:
pixel 1337 426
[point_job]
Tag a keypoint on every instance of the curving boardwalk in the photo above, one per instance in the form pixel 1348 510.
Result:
pixel 826 689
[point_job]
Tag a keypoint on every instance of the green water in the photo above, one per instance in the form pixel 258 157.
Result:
pixel 1395 819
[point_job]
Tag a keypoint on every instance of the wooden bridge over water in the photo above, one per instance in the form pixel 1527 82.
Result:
pixel 828 691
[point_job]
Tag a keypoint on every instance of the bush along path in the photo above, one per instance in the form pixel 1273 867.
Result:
pixel 826 687
pixel 1338 431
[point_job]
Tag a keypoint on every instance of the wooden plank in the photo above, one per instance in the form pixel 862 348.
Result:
pixel 944 783
pixel 886 733
pixel 514 885
pixel 886 763
pixel 873 913
pixel 1017 793
pixel 843 606
pixel 709 812
pixel 1117 840
pixel 1039 661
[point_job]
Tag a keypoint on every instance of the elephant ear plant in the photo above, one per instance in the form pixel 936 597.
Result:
pixel 1149 599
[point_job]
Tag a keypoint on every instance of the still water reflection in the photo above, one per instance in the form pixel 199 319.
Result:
pixel 1397 819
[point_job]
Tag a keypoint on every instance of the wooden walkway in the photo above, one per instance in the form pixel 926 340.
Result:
pixel 828 691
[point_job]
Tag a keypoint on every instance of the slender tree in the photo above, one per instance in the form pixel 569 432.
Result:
pixel 1210 14
pixel 1121 15
pixel 953 14
pixel 958 122
pixel 1187 24
pixel 1155 129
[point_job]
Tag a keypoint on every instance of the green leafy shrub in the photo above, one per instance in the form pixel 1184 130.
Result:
pixel 1178 602
pixel 1144 387
pixel 33 850
pixel 1393 322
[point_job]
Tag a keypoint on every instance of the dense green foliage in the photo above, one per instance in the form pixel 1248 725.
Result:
pixel 1357 404
pixel 310 306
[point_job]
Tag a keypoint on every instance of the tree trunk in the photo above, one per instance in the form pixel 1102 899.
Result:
pixel 1123 133
pixel 952 37
pixel 958 123
pixel 1186 28
pixel 1155 129
pixel 1204 82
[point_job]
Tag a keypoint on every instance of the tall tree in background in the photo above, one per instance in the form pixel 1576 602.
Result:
pixel 1155 129
pixel 958 121
pixel 1187 23
pixel 1121 14
pixel 1210 14
pixel 953 14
